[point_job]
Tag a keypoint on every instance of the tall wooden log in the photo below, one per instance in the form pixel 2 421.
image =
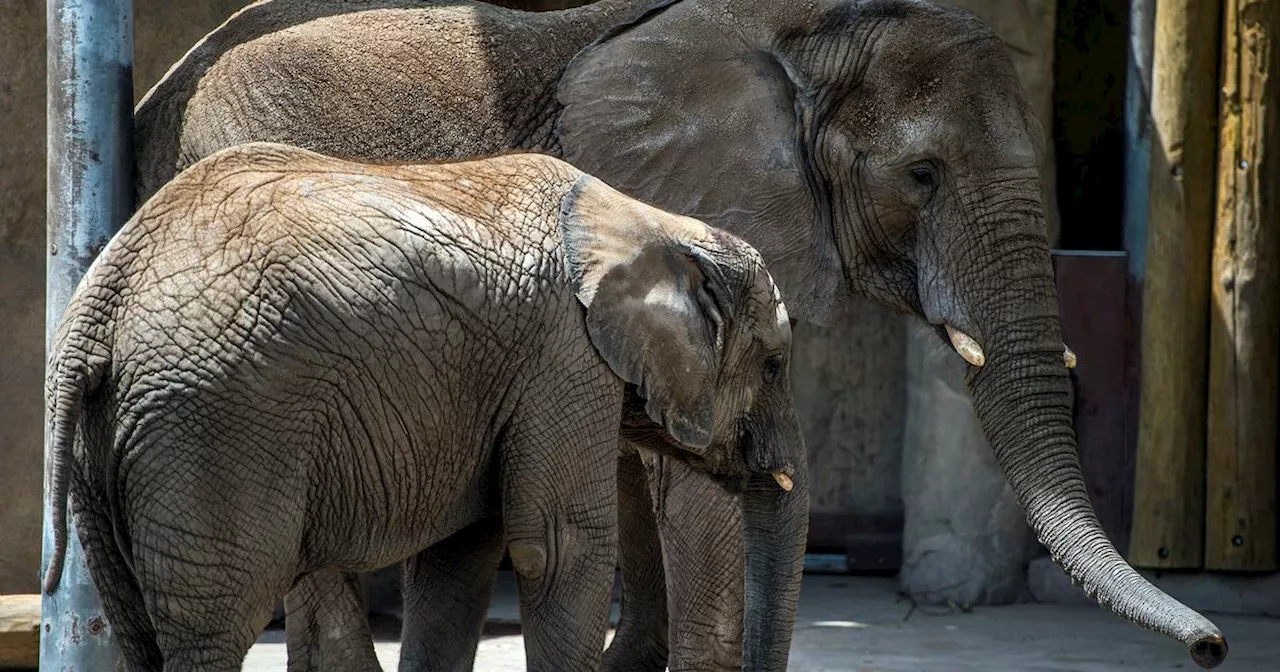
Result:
pixel 1244 337
pixel 1168 520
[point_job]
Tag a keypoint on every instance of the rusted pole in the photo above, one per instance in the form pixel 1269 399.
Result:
pixel 1168 517
pixel 90 194
pixel 1244 337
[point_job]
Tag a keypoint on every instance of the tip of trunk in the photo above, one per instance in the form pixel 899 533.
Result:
pixel 1209 651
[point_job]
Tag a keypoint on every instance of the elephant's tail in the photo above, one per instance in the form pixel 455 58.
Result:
pixel 74 373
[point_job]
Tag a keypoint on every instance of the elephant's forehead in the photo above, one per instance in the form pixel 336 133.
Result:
pixel 985 129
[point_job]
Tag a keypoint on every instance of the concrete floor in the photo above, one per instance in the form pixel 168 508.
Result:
pixel 858 624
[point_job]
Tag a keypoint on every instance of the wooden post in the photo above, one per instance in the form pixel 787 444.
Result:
pixel 19 632
pixel 1168 519
pixel 1244 348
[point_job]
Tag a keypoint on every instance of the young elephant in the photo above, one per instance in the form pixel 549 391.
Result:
pixel 288 363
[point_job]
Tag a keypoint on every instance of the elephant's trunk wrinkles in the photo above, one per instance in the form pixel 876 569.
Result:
pixel 775 526
pixel 1020 396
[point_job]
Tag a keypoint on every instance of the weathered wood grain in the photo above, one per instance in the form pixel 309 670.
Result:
pixel 1168 519
pixel 1244 337
pixel 19 631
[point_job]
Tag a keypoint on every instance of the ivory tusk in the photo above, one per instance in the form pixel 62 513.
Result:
pixel 1068 357
pixel 784 481
pixel 966 346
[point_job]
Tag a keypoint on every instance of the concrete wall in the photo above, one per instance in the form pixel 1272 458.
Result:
pixel 21 289
pixel 850 383
pixel 164 32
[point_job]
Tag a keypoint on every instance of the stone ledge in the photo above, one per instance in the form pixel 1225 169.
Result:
pixel 19 632
pixel 1242 594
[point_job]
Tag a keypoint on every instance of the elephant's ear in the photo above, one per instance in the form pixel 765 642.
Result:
pixel 688 114
pixel 656 303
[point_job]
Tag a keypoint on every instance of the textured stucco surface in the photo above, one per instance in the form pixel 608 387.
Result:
pixel 850 389
pixel 21 289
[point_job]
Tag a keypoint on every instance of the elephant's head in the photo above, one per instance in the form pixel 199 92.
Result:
pixel 690 318
pixel 881 148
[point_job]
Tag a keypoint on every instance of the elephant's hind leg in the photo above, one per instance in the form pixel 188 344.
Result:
pixel 121 598
pixel 327 624
pixel 205 620
pixel 447 589
pixel 212 573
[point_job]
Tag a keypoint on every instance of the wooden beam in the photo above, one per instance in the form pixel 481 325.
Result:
pixel 1168 518
pixel 19 631
pixel 1244 337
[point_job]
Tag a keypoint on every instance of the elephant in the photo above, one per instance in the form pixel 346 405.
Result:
pixel 881 149
pixel 287 362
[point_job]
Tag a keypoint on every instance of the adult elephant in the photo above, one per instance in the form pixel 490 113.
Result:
pixel 881 148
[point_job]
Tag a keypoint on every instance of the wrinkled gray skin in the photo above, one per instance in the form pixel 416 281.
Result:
pixel 286 362
pixel 881 148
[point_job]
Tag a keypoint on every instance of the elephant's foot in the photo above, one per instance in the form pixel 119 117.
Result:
pixel 635 654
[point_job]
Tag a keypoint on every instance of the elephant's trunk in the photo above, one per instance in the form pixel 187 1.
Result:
pixel 775 526
pixel 1021 398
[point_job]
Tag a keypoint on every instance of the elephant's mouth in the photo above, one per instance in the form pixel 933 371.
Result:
pixel 956 341
pixel 653 437
pixel 732 465
pixel 641 431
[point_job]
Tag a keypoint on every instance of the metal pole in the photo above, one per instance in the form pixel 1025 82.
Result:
pixel 90 194
pixel 1137 133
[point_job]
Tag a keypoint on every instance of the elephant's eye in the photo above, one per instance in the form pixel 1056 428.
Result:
pixel 772 369
pixel 924 177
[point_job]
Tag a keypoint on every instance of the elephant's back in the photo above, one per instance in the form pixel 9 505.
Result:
pixel 272 258
pixel 379 80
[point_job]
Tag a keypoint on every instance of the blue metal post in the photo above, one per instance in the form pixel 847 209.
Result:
pixel 90 194
pixel 1137 133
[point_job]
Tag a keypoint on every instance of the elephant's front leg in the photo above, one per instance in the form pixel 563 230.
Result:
pixel 559 489
pixel 700 525
pixel 447 589
pixel 640 644
pixel 327 625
